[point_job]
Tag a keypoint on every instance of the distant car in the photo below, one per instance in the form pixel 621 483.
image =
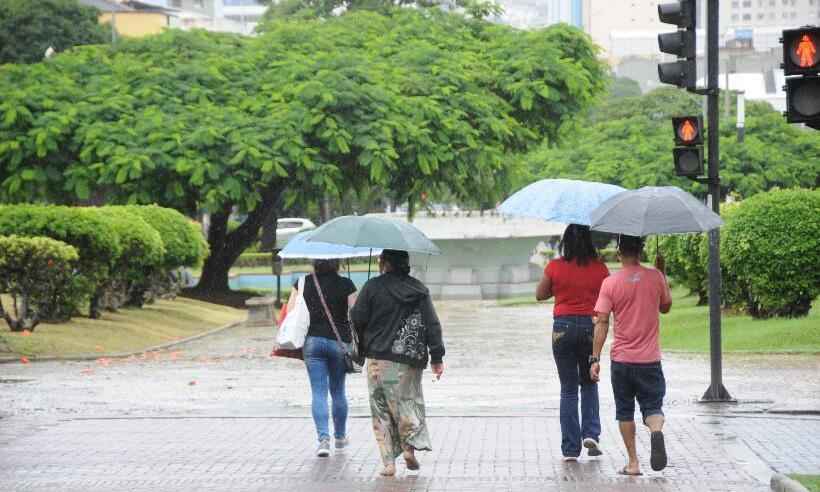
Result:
pixel 286 228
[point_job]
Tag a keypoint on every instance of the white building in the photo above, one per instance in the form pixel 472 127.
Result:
pixel 238 16
pixel 541 13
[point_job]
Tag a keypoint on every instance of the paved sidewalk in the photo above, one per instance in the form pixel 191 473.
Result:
pixel 219 414
pixel 471 454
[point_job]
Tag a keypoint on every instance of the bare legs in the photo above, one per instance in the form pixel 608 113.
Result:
pixel 627 428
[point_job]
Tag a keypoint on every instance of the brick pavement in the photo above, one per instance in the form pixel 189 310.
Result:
pixel 471 454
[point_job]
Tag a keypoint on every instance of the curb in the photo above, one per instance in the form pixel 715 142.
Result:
pixel 122 355
pixel 782 483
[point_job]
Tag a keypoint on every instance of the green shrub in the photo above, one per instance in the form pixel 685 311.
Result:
pixel 771 252
pixel 184 243
pixel 34 271
pixel 250 260
pixel 96 241
pixel 141 259
pixel 609 255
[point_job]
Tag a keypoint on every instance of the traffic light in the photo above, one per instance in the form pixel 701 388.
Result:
pixel 801 66
pixel 688 152
pixel 682 73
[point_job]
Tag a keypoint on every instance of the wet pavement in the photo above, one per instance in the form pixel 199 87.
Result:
pixel 219 414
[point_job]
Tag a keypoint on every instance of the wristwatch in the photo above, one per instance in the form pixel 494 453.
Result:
pixel 594 360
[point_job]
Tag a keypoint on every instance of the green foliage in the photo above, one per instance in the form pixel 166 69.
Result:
pixel 249 260
pixel 34 271
pixel 684 260
pixel 628 141
pixel 624 87
pixel 772 247
pixel 97 243
pixel 142 256
pixel 182 240
pixel 28 28
pixel 410 100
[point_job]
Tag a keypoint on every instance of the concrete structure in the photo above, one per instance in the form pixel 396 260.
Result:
pixel 488 257
pixel 132 18
pixel 540 13
pixel 238 16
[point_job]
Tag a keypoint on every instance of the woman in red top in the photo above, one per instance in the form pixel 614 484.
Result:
pixel 574 279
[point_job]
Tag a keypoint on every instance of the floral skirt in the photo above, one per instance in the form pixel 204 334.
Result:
pixel 397 407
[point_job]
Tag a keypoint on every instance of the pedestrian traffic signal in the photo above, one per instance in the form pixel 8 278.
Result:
pixel 681 43
pixel 803 99
pixel 801 65
pixel 688 153
pixel 801 51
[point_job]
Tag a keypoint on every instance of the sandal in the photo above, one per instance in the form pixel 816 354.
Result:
pixel 657 456
pixel 624 471
pixel 411 461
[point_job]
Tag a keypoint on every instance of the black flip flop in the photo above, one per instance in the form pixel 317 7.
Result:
pixel 657 457
pixel 623 471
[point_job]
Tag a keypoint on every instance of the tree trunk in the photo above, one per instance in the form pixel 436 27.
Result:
pixel 226 248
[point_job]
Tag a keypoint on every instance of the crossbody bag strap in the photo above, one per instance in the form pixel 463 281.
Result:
pixel 327 311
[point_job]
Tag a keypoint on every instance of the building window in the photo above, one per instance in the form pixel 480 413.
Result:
pixel 735 17
pixel 747 3
pixel 200 4
pixel 761 16
pixel 176 4
pixel 735 5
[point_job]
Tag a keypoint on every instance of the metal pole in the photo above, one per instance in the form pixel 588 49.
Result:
pixel 113 27
pixel 716 392
pixel 741 116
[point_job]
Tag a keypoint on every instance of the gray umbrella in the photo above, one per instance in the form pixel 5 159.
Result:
pixel 653 210
pixel 367 231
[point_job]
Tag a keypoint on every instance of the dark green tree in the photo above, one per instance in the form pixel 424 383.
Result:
pixel 28 28
pixel 202 121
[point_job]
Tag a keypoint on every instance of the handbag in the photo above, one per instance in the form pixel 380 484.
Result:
pixel 351 366
pixel 294 328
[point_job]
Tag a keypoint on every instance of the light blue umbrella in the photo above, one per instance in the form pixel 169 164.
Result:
pixel 367 231
pixel 654 210
pixel 569 201
pixel 300 247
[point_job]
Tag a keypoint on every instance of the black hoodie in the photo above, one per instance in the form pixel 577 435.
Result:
pixel 396 321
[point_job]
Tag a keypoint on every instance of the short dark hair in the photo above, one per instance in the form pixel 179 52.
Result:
pixel 630 245
pixel 576 244
pixel 399 260
pixel 325 266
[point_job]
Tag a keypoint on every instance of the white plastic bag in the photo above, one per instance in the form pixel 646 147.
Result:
pixel 294 328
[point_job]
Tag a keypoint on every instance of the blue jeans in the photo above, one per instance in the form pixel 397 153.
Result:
pixel 325 364
pixel 571 348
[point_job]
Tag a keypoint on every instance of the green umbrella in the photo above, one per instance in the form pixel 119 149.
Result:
pixel 366 231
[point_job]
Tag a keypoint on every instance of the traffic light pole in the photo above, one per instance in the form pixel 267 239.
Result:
pixel 716 392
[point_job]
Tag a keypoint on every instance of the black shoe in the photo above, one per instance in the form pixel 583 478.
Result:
pixel 657 457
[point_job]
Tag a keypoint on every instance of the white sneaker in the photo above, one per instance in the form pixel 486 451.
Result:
pixel 592 447
pixel 323 451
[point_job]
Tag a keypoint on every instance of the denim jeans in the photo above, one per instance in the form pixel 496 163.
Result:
pixel 571 348
pixel 325 364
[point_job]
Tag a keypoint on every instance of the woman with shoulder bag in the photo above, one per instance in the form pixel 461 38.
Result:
pixel 399 331
pixel 324 354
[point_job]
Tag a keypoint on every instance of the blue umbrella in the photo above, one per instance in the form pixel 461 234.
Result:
pixel 569 201
pixel 300 247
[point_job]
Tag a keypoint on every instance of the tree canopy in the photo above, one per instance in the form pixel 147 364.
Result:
pixel 628 141
pixel 28 28
pixel 206 121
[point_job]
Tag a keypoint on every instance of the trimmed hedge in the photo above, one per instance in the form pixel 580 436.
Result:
pixel 142 257
pixel 772 248
pixel 185 246
pixel 33 271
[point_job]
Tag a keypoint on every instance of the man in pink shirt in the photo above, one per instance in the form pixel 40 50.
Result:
pixel 635 295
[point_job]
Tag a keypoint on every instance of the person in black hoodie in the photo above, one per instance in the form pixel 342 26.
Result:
pixel 398 331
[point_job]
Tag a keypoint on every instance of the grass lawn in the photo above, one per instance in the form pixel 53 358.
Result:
pixel 811 482
pixel 125 331
pixel 686 328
